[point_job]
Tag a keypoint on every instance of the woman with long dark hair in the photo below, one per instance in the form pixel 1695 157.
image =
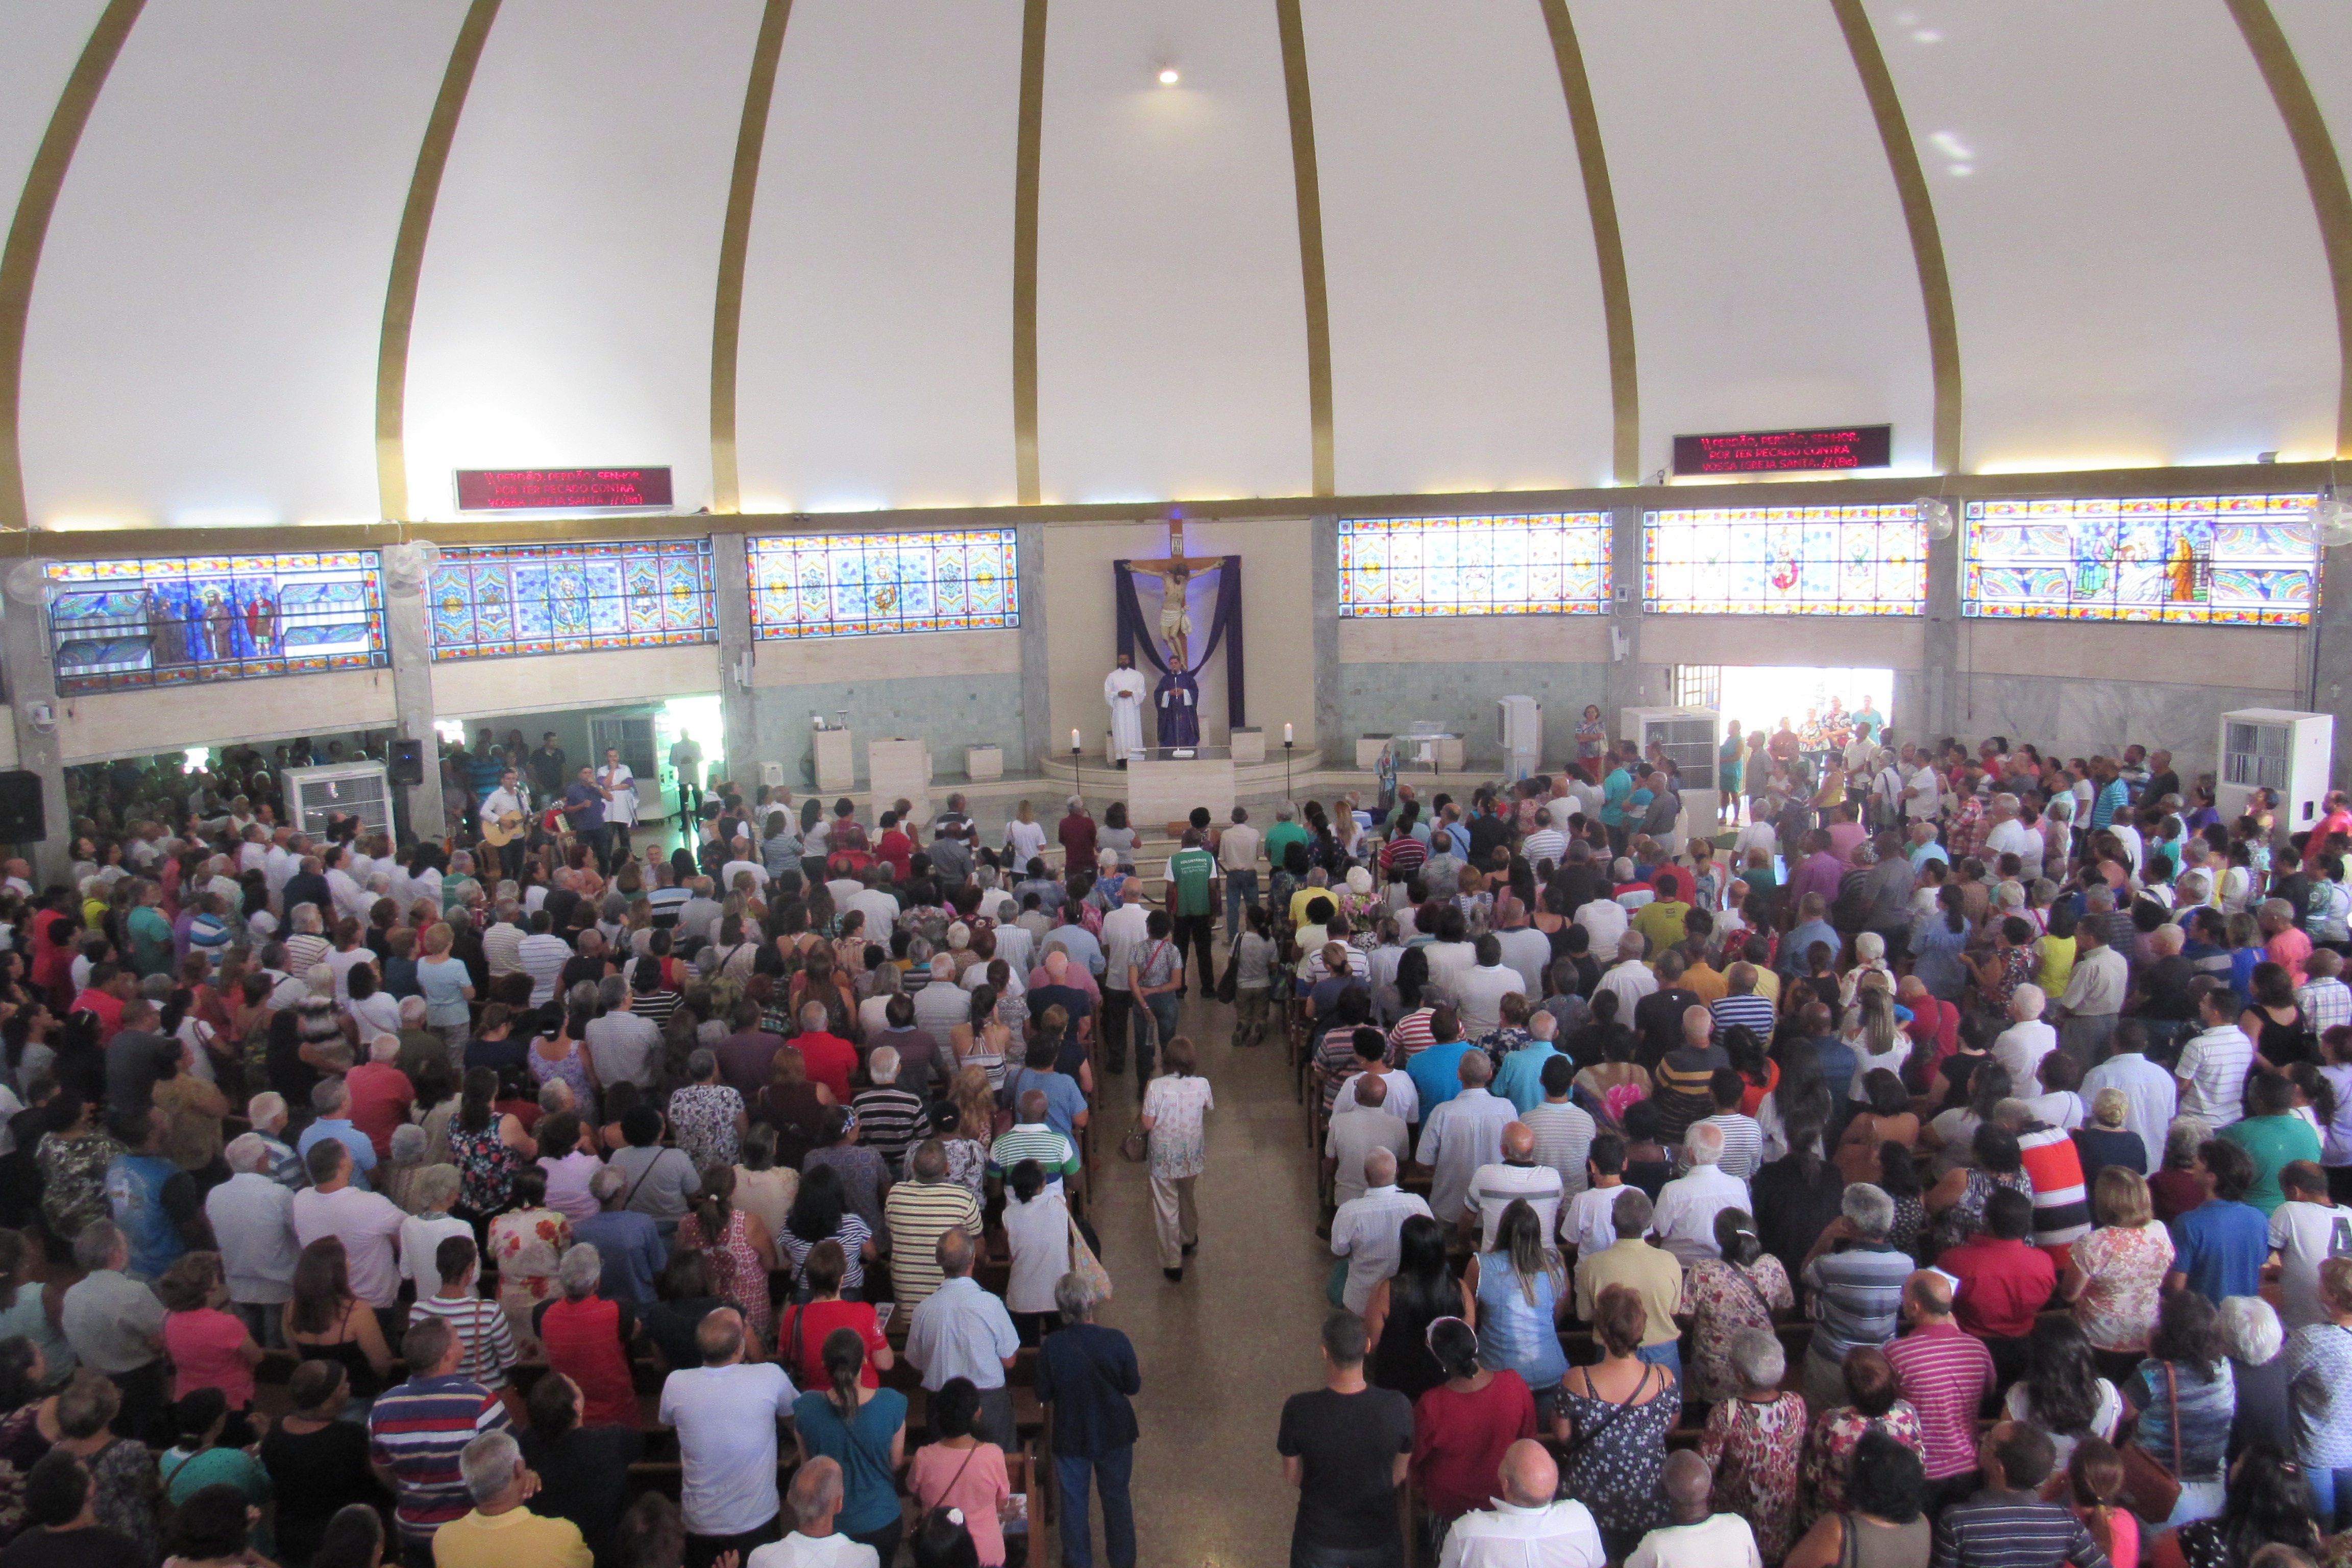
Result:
pixel 821 1212
pixel 2061 1391
pixel 1939 942
pixel 2184 1394
pixel 1403 1306
pixel 864 1430
pixel 2267 1504
pixel 1801 1094
pixel 1521 1287
pixel 325 1321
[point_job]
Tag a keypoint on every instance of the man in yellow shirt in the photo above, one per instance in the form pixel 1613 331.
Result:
pixel 1651 1273
pixel 500 1532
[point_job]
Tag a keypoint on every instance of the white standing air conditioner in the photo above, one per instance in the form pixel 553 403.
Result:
pixel 360 790
pixel 2279 750
pixel 1687 737
pixel 1518 728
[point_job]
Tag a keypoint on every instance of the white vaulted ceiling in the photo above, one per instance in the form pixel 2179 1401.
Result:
pixel 2138 274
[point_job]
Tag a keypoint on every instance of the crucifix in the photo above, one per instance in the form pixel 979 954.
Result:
pixel 1175 573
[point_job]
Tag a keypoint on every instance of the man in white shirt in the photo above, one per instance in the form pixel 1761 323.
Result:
pixel 816 1541
pixel 253 1221
pixel 2212 1072
pixel 1589 1221
pixel 2007 836
pixel 505 809
pixel 1564 1130
pixel 1123 931
pixel 1698 1537
pixel 1478 990
pixel 278 864
pixel 963 1331
pixel 1364 1231
pixel 1684 1220
pixel 2146 1087
pixel 1368 1128
pixel 1605 922
pixel 1527 1527
pixel 880 910
pixel 1402 1096
pixel 1516 1175
pixel 1525 952
pixel 2326 1000
pixel 1629 979
pixel 740 858
pixel 367 1224
pixel 350 898
pixel 621 1044
pixel 2306 1230
pixel 1922 795
pixel 2095 992
pixel 1547 842
pixel 543 956
pixel 2021 1045
pixel 726 1413
pixel 1461 1135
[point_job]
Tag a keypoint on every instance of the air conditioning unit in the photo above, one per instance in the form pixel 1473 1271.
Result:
pixel 1686 737
pixel 358 790
pixel 2278 750
pixel 1518 726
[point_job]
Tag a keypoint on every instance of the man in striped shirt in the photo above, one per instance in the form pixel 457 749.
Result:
pixel 1946 1374
pixel 417 1432
pixel 1854 1289
pixel 2006 1524
pixel 1742 1007
pixel 918 1212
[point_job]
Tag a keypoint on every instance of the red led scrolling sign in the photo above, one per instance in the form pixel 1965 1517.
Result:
pixel 1785 451
pixel 540 490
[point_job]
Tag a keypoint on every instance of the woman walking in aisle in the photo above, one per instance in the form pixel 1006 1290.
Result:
pixel 1174 1110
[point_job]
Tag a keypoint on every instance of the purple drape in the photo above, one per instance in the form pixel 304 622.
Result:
pixel 1225 623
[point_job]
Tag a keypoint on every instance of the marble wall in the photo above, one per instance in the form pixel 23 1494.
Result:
pixel 2079 715
pixel 951 712
pixel 1393 697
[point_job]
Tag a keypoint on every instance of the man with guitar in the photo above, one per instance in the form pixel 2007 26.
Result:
pixel 506 822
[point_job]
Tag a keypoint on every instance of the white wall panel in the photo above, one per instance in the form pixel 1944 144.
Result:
pixel 39 42
pixel 877 364
pixel 1772 278
pixel 564 315
pixel 2320 33
pixel 2136 270
pixel 203 339
pixel 1172 328
pixel 1468 347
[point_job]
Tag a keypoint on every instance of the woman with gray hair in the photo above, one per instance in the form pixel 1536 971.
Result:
pixel 1757 1443
pixel 1089 1373
pixel 587 1336
pixel 2253 1338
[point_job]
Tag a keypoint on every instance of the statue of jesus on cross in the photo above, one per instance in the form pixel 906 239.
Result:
pixel 1175 573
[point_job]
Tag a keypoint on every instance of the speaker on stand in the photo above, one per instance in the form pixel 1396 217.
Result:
pixel 24 816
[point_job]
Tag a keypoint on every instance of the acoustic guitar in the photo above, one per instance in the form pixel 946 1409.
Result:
pixel 504 830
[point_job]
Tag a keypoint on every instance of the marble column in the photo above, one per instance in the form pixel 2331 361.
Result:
pixel 1631 681
pixel 1324 553
pixel 32 683
pixel 731 581
pixel 1929 706
pixel 410 645
pixel 2327 664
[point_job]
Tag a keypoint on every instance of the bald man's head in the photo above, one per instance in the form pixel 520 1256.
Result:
pixel 1477 1071
pixel 1371 1090
pixel 1689 1482
pixel 1928 1295
pixel 1518 1144
pixel 1698 1027
pixel 1529 1477
pixel 1381 1168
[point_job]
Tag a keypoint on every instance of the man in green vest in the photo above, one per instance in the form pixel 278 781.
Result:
pixel 1193 902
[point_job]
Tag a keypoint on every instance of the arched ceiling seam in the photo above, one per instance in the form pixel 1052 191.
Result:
pixel 1028 150
pixel 734 254
pixel 1607 243
pixel 1919 219
pixel 408 260
pixel 2322 175
pixel 28 232
pixel 1307 180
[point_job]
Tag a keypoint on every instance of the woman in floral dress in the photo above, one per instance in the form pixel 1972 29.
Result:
pixel 72 1157
pixel 1740 1291
pixel 739 1251
pixel 707 1115
pixel 2114 1275
pixel 527 1244
pixel 1757 1444
pixel 1956 1204
pixel 1613 1417
pixel 1174 1109
pixel 487 1146
pixel 1829 1451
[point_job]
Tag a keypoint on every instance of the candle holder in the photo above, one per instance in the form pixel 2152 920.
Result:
pixel 1074 788
pixel 1288 746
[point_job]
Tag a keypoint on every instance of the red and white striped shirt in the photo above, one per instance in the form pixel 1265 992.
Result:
pixel 1946 1374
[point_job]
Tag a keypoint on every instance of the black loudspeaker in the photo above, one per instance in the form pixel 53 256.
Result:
pixel 407 762
pixel 23 818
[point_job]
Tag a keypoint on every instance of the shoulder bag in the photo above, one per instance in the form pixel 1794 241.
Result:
pixel 1086 1265
pixel 2150 1490
pixel 1609 1420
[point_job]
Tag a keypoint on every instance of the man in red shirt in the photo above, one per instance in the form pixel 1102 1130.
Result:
pixel 110 985
pixel 894 846
pixel 1946 1374
pixel 381 1094
pixel 1077 832
pixel 2004 1280
pixel 830 1058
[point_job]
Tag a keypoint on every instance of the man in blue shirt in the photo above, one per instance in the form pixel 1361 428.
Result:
pixel 1521 1079
pixel 1615 789
pixel 332 1101
pixel 1811 926
pixel 2218 1247
pixel 1436 1068
pixel 583 804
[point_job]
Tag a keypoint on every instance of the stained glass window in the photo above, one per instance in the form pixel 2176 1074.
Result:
pixel 121 624
pixel 1554 563
pixel 857 584
pixel 2212 560
pixel 497 601
pixel 1785 561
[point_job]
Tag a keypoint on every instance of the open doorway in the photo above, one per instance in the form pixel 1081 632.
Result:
pixel 1762 696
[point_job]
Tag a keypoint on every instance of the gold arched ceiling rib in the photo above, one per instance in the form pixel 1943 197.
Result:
pixel 734 248
pixel 2323 173
pixel 1027 147
pixel 1919 217
pixel 1608 243
pixel 408 260
pixel 1309 182
pixel 21 260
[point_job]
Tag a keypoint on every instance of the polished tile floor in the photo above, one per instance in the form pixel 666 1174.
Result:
pixel 1220 1351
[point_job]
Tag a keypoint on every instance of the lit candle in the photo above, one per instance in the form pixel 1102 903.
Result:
pixel 1074 740
pixel 1285 734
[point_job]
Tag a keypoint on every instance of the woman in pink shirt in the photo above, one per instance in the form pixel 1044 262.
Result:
pixel 960 1471
pixel 210 1348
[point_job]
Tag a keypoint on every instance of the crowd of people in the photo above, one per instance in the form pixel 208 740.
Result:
pixel 1945 1156
pixel 458 1183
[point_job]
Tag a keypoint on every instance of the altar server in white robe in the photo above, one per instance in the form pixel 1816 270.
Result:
pixel 621 805
pixel 1125 690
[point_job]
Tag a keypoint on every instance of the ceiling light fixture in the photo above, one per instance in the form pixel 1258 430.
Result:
pixel 1169 75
